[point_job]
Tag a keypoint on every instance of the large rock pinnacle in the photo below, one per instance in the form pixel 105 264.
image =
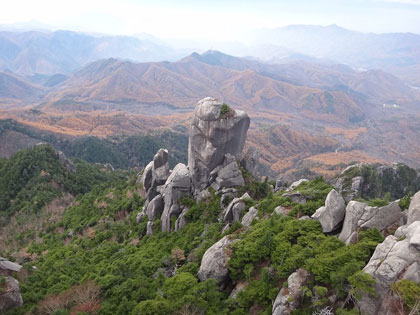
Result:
pixel 214 134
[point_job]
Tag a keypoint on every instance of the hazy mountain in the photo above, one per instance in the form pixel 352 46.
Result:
pixel 16 90
pixel 327 91
pixel 29 53
pixel 360 50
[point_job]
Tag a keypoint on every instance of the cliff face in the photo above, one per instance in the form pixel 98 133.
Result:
pixel 216 130
pixel 217 138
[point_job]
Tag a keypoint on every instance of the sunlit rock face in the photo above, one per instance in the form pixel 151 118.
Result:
pixel 214 132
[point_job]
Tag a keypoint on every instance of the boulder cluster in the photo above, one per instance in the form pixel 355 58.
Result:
pixel 9 288
pixel 216 141
pixel 215 158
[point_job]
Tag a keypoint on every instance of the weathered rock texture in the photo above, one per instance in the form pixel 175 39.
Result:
pixel 249 217
pixel 370 181
pixel 9 292
pixel 289 298
pixel 398 257
pixel 414 209
pixel 212 135
pixel 177 185
pixel 214 262
pixel 217 138
pixel 361 216
pixel 235 209
pixel 332 214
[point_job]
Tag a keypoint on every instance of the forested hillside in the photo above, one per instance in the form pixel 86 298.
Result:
pixel 94 258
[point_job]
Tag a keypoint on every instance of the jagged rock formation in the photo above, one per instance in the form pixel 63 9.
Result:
pixel 394 259
pixel 66 162
pixel 361 216
pixel 214 262
pixel 290 298
pixel 249 160
pixel 9 291
pixel 297 183
pixel 249 217
pixel 235 209
pixel 332 214
pixel 370 181
pixel 414 209
pixel 217 138
pixel 177 185
pixel 213 134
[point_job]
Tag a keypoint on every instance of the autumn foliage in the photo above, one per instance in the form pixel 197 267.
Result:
pixel 83 298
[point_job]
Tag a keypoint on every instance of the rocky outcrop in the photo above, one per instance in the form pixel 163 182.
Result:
pixel 228 175
pixel 279 210
pixel 7 267
pixel 235 209
pixel 9 291
pixel 10 294
pixel 289 298
pixel 155 208
pixel 361 216
pixel 295 197
pixel 177 185
pixel 155 174
pixel 213 134
pixel 414 209
pixel 332 214
pixel 249 217
pixel 297 183
pixel 249 161
pixel 214 263
pixel 398 257
pixel 66 162
pixel 369 181
pixel 217 137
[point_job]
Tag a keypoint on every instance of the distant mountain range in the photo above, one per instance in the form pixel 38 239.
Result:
pixel 361 50
pixel 43 52
pixel 325 92
pixel 311 104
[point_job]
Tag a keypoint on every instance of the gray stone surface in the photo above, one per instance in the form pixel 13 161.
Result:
pixel 149 228
pixel 177 185
pixel 381 217
pixel 140 216
pixel 250 160
pixel 234 211
pixel 249 217
pixel 332 214
pixel 214 263
pixel 361 216
pixel 155 208
pixel 7 266
pixel 10 296
pixel 295 197
pixel 279 210
pixel 354 211
pixel 297 183
pixel 289 299
pixel 160 169
pixel 146 178
pixel 66 162
pixel 230 176
pixel 397 257
pixel 211 137
pixel 414 209
pixel 181 222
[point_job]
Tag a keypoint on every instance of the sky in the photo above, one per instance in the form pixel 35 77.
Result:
pixel 215 19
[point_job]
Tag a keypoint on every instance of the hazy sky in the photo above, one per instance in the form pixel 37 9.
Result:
pixel 215 19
